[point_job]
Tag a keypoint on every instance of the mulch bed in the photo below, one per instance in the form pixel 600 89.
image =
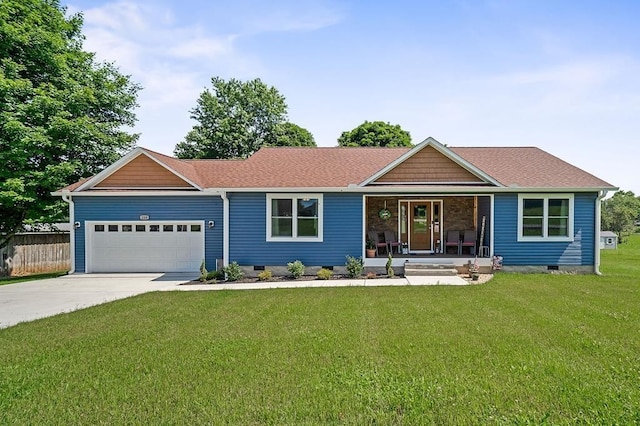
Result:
pixel 287 278
pixel 481 279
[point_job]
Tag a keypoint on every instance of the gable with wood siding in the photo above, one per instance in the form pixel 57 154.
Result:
pixel 428 166
pixel 143 172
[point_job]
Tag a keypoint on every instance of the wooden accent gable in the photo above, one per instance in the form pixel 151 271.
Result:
pixel 143 172
pixel 428 166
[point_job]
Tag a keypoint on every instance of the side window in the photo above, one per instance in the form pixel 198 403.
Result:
pixel 307 217
pixel 547 217
pixel 532 217
pixel 281 217
pixel 294 217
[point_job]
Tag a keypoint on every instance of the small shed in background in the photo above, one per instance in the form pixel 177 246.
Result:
pixel 608 240
pixel 37 249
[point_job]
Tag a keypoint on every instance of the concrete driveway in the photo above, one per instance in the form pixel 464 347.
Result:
pixel 31 300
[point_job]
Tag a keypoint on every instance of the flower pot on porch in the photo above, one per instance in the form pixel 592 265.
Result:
pixel 371 252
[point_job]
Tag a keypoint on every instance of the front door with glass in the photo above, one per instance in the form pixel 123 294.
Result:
pixel 420 225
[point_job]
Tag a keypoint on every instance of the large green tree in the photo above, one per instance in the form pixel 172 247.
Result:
pixel 61 112
pixel 376 133
pixel 235 118
pixel 289 134
pixel 619 213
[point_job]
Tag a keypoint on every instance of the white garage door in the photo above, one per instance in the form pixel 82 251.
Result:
pixel 144 246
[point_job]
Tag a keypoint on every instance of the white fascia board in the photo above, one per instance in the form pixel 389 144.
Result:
pixel 547 189
pixel 441 149
pixel 391 184
pixel 144 188
pixel 140 193
pixel 411 189
pixel 350 189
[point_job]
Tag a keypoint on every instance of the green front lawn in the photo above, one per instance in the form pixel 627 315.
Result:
pixel 525 349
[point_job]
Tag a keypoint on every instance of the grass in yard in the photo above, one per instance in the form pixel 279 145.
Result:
pixel 15 280
pixel 557 349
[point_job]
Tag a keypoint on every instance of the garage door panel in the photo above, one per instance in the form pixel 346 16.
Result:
pixel 143 250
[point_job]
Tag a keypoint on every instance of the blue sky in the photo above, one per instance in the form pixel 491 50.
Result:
pixel 560 75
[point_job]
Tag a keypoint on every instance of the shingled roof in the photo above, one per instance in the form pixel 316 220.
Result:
pixel 340 167
pixel 528 167
pixel 289 167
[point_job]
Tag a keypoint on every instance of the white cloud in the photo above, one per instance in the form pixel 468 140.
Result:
pixel 110 46
pixel 120 16
pixel 139 38
pixel 174 61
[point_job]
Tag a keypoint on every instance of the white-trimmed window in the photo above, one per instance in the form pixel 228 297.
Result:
pixel 545 217
pixel 294 217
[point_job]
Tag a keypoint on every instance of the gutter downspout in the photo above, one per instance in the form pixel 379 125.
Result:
pixel 66 197
pixel 225 229
pixel 596 253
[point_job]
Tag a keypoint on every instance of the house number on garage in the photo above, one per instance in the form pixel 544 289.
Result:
pixel 144 217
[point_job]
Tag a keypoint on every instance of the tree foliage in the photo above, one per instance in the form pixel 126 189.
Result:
pixel 376 133
pixel 235 118
pixel 61 112
pixel 289 134
pixel 619 213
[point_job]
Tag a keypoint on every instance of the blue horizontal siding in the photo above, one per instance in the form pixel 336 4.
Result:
pixel 204 208
pixel 576 252
pixel 248 221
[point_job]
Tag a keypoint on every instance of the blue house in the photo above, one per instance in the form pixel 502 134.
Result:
pixel 431 203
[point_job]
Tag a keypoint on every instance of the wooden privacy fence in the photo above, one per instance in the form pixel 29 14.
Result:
pixel 36 253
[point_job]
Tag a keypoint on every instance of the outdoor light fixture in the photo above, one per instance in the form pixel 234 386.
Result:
pixel 211 224
pixel 76 225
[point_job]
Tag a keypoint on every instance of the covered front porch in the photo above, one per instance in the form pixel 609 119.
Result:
pixel 428 229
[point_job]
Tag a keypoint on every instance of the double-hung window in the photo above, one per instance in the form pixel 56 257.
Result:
pixel 294 217
pixel 545 217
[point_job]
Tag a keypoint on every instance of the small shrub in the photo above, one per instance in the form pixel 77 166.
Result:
pixel 203 272
pixel 265 275
pixel 215 275
pixel 296 269
pixel 233 271
pixel 371 275
pixel 325 274
pixel 390 273
pixel 354 266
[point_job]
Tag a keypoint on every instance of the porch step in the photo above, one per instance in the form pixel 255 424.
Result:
pixel 430 269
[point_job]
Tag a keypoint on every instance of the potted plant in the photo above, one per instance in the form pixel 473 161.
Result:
pixel 370 248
